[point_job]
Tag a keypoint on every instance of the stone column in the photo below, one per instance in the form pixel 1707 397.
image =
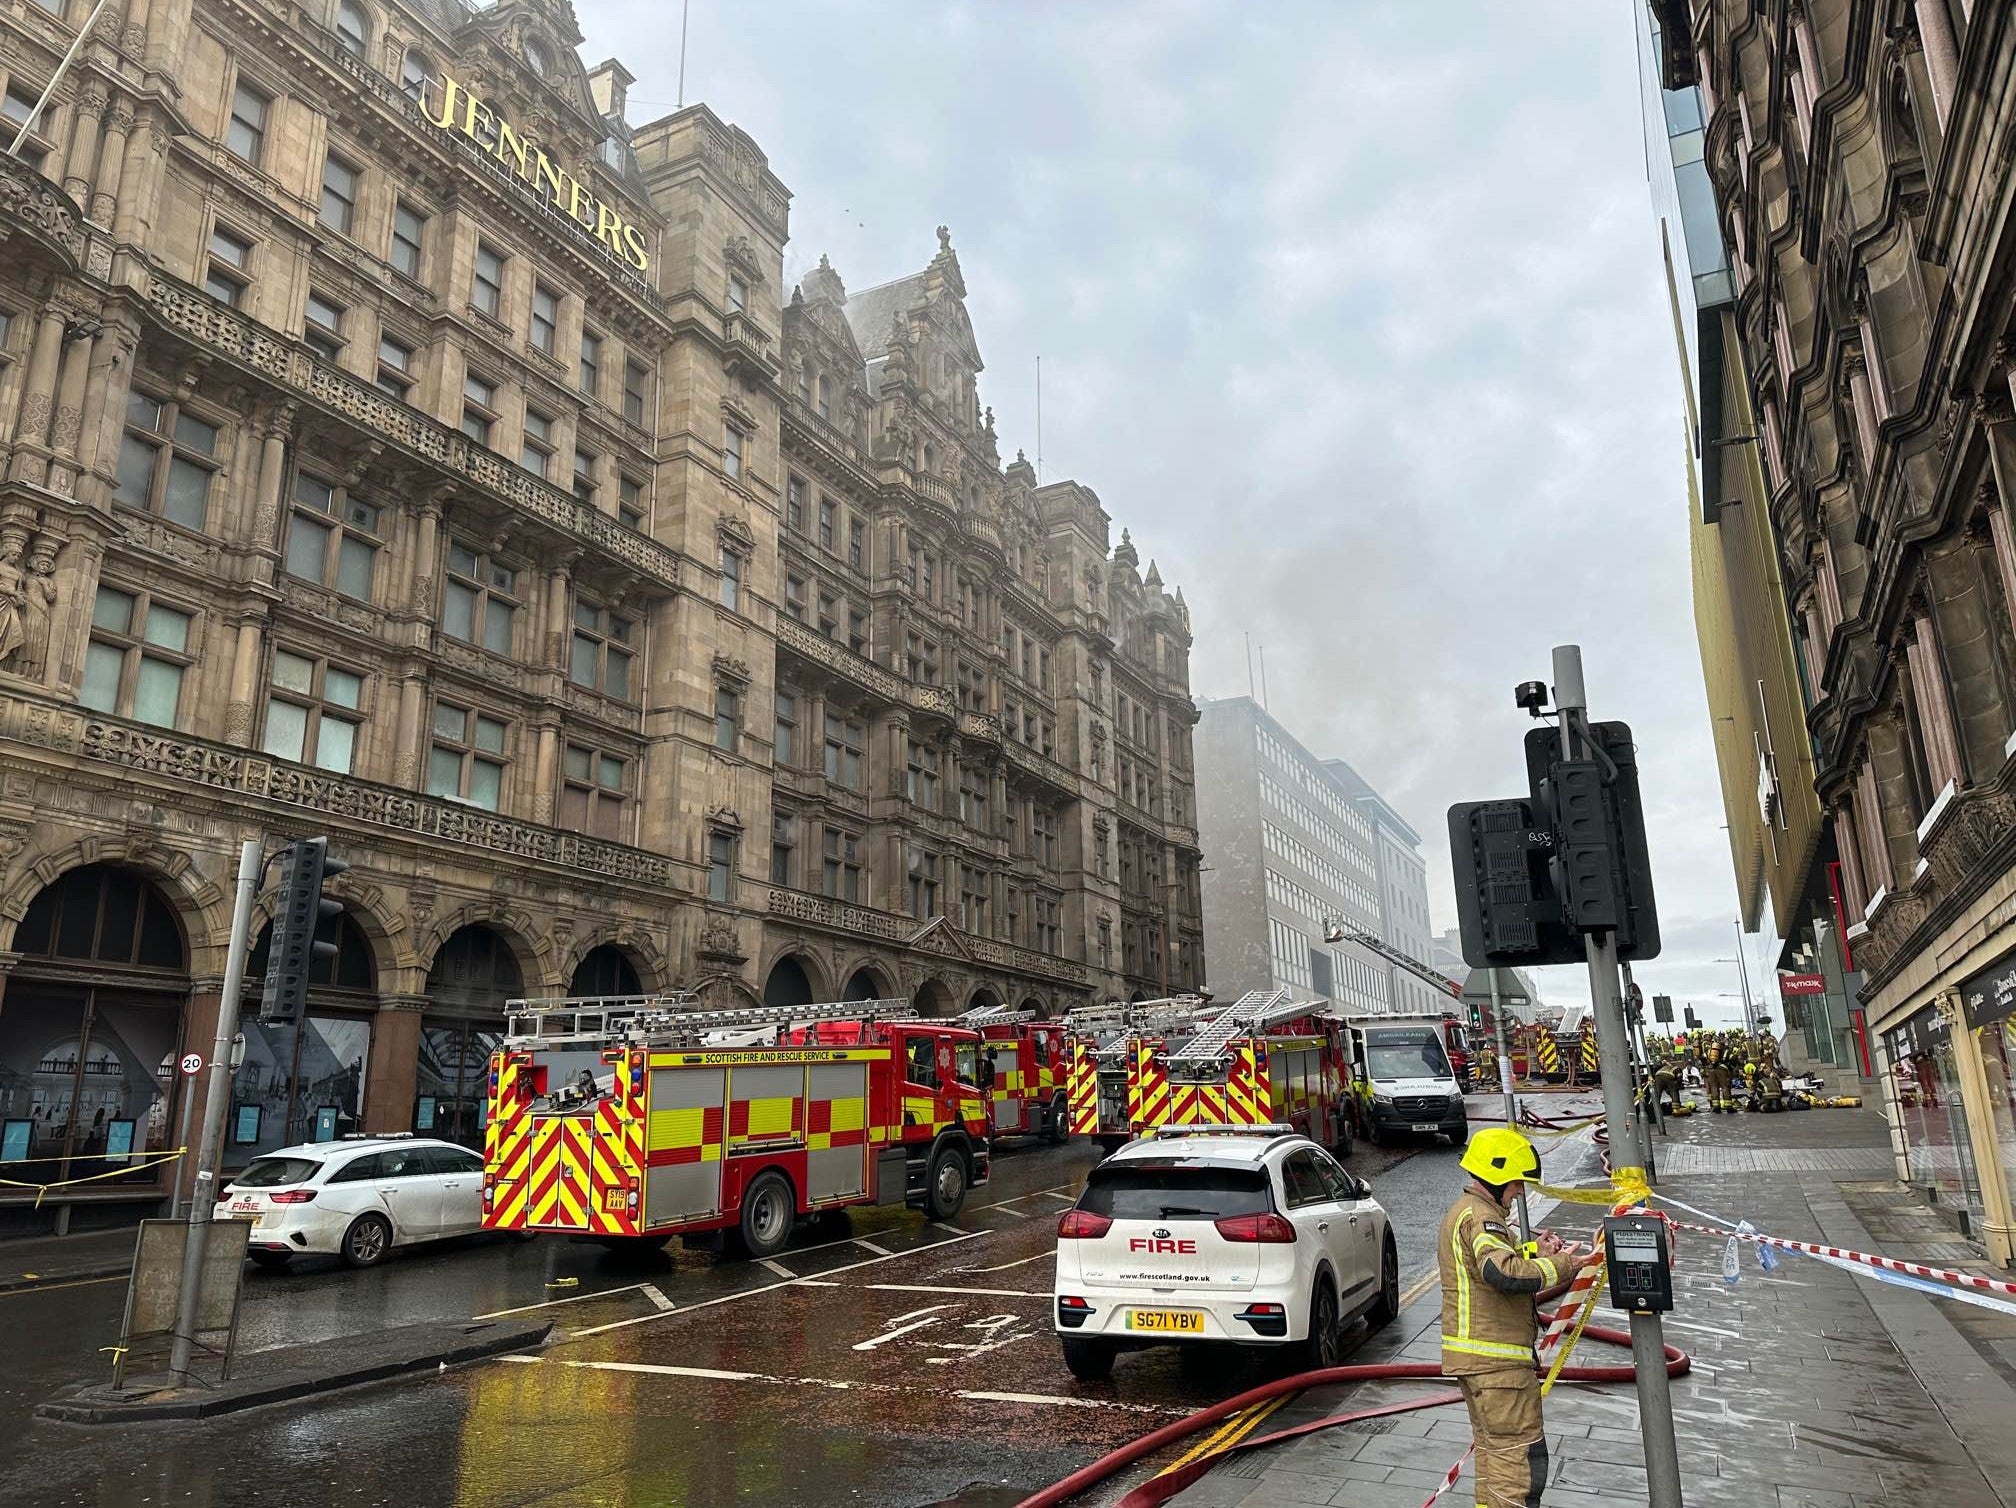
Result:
pixel 406 763
pixel 1934 704
pixel 1942 54
pixel 1863 402
pixel 66 423
pixel 269 506
pixel 242 710
pixel 546 767
pixel 80 160
pixel 395 1051
pixel 554 633
pixel 111 376
pixel 426 559
pixel 114 163
pixel 38 388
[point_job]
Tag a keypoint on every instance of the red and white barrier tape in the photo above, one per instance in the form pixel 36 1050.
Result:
pixel 1888 1264
pixel 1450 1480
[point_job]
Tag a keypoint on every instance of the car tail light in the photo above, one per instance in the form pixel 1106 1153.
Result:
pixel 1267 1230
pixel 1072 1301
pixel 292 1196
pixel 1082 1225
pixel 1262 1311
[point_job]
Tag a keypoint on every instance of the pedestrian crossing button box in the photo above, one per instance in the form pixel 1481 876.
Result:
pixel 1640 1264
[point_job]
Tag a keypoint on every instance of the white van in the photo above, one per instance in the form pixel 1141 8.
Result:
pixel 1403 1082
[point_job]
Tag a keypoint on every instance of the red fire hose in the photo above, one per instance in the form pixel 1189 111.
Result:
pixel 1161 1489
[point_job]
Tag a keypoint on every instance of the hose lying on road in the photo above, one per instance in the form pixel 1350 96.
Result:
pixel 1160 1489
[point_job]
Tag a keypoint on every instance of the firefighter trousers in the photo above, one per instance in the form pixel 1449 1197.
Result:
pixel 1715 1079
pixel 1511 1442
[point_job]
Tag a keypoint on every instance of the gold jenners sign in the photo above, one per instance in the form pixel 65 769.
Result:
pixel 452 107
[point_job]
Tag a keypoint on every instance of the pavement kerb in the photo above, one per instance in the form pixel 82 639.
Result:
pixel 426 1348
pixel 21 1282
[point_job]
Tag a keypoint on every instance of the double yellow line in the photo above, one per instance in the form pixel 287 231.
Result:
pixel 1246 1421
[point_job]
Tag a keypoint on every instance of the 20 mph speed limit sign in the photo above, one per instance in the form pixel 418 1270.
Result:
pixel 192 1062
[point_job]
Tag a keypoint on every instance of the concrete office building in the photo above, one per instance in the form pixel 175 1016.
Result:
pixel 1290 840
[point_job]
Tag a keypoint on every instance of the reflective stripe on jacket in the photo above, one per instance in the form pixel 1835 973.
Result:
pixel 1489 1322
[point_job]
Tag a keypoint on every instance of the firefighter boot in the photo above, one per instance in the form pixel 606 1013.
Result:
pixel 1511 1442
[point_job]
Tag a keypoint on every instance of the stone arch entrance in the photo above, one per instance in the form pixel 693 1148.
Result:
pixel 1038 1005
pixel 982 998
pixel 790 982
pixel 93 1024
pixel 472 976
pixel 932 999
pixel 864 984
pixel 606 970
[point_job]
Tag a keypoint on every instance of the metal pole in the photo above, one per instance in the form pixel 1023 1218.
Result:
pixel 1511 1098
pixel 1743 972
pixel 217 1099
pixel 182 1141
pixel 56 78
pixel 1627 1145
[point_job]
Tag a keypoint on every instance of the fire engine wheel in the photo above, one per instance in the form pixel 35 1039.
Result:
pixel 1340 1138
pixel 768 1211
pixel 1060 1122
pixel 1088 1360
pixel 945 1188
pixel 366 1242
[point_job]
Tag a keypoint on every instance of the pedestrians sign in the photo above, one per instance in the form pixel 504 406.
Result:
pixel 192 1063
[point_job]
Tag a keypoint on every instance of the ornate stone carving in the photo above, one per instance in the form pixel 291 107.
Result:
pixel 196 762
pixel 718 943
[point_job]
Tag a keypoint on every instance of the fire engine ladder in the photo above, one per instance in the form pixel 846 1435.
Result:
pixel 1441 983
pixel 1116 1018
pixel 993 1015
pixel 669 1020
pixel 1251 1012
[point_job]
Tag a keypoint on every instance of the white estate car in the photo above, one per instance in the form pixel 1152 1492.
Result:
pixel 1250 1235
pixel 356 1198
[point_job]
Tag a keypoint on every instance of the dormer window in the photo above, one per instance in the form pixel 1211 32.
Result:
pixel 353 28
pixel 537 58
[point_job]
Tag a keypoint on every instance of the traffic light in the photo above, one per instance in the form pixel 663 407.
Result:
pixel 298 916
pixel 1693 1021
pixel 1606 868
pixel 1507 907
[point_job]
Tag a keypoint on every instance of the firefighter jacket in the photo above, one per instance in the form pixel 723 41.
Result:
pixel 1489 1322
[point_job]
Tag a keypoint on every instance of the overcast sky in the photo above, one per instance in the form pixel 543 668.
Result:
pixel 1351 310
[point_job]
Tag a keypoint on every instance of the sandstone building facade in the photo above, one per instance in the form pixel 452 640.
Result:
pixel 400 445
pixel 1855 151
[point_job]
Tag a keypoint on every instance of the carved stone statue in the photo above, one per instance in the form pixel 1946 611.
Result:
pixel 13 545
pixel 38 606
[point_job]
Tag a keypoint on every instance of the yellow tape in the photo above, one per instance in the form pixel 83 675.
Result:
pixel 1627 1187
pixel 141 1160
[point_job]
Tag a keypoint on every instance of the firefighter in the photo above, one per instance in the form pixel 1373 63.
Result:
pixel 1666 1084
pixel 1770 1087
pixel 1715 1080
pixel 1490 1289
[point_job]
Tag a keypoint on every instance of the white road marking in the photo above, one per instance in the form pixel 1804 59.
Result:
pixel 777 1267
pixel 818 1283
pixel 658 1299
pixel 1004 1266
pixel 999 1293
pixel 709 1374
pixel 763 1288
pixel 1067 1199
pixel 880 1251
pixel 942 1225
pixel 578 1298
pixel 1049 1193
pixel 902 1330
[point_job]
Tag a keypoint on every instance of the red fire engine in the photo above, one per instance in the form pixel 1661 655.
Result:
pixel 632 1120
pixel 1022 1066
pixel 1100 1052
pixel 1264 1059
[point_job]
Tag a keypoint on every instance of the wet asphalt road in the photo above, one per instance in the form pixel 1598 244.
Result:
pixel 888 1362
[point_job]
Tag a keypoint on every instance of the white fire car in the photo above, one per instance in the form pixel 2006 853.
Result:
pixel 1247 1235
pixel 356 1198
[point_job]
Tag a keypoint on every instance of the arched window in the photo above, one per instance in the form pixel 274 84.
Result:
pixel 353 28
pixel 415 72
pixel 535 55
pixel 106 915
